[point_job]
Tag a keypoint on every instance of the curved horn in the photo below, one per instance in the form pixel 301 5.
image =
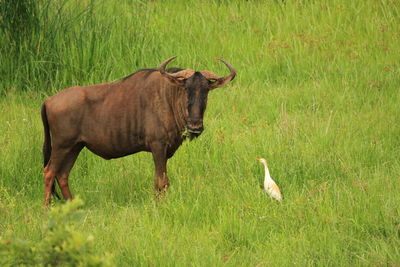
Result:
pixel 231 69
pixel 164 64
pixel 221 81
pixel 180 75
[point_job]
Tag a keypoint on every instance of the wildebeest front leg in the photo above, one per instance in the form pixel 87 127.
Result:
pixel 159 152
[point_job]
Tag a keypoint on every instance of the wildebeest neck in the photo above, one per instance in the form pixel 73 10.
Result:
pixel 178 102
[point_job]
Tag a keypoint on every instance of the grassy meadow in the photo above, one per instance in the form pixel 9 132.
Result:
pixel 317 95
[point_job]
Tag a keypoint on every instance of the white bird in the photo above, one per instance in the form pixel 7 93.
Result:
pixel 269 184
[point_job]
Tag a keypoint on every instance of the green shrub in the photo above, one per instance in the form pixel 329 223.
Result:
pixel 62 244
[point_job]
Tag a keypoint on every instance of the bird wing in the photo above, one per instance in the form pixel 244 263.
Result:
pixel 274 191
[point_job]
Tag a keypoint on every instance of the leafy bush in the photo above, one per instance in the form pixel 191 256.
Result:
pixel 62 244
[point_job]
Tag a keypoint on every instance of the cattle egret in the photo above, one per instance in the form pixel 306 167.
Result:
pixel 269 184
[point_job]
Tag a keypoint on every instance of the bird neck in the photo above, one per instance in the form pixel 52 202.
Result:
pixel 267 175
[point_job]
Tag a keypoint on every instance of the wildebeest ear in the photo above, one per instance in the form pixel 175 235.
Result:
pixel 175 80
pixel 217 81
pixel 179 77
pixel 220 82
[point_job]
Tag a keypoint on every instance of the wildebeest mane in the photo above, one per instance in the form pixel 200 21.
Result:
pixel 173 70
pixel 130 75
pixel 149 71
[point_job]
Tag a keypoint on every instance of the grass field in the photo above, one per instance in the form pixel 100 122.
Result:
pixel 317 94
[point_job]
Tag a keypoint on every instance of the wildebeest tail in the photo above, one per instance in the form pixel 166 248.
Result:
pixel 47 137
pixel 47 146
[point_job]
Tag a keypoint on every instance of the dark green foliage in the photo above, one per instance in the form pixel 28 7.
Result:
pixel 61 245
pixel 18 20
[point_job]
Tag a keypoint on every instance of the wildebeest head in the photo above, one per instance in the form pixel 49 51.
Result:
pixel 197 85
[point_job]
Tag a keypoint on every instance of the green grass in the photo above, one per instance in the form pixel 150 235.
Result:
pixel 317 94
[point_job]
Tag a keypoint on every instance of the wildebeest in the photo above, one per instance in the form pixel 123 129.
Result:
pixel 151 110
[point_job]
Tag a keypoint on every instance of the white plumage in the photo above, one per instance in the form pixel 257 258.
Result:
pixel 269 185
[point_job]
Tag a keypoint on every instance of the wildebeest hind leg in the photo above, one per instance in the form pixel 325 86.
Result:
pixel 56 163
pixel 51 170
pixel 49 176
pixel 159 152
pixel 62 175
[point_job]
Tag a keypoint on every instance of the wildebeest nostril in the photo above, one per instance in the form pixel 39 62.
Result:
pixel 195 127
pixel 195 123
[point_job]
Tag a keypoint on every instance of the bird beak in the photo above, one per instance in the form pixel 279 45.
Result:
pixel 258 159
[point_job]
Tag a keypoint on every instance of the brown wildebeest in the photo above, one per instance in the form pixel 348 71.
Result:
pixel 149 110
